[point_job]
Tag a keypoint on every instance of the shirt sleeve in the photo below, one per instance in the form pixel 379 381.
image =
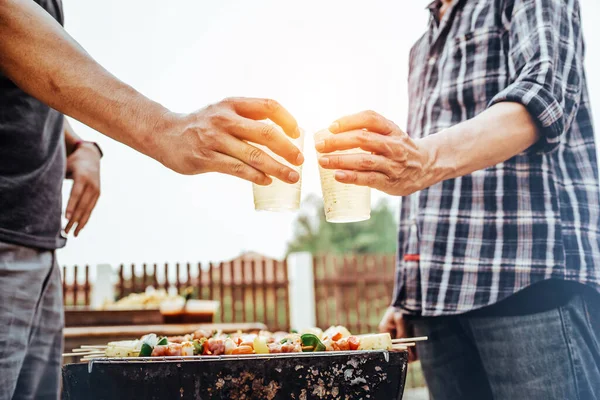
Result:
pixel 545 64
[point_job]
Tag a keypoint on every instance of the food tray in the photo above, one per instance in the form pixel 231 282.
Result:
pixel 302 376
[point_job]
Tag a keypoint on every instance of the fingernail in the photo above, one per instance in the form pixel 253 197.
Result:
pixel 324 161
pixel 298 132
pixel 293 176
pixel 333 128
pixel 299 159
pixel 320 145
pixel 68 215
pixel 340 175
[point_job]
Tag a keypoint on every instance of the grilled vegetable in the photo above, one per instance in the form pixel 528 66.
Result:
pixel 315 331
pixel 146 350
pixel 163 342
pixel 260 345
pixel 187 349
pixel 311 340
pixel 123 348
pixel 148 343
pixel 198 346
pixel 380 341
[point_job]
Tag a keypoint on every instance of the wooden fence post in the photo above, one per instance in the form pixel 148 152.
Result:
pixel 103 289
pixel 301 290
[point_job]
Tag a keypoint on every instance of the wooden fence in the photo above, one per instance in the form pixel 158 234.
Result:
pixel 352 291
pixel 74 292
pixel 249 290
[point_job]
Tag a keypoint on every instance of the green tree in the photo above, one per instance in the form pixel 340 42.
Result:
pixel 314 234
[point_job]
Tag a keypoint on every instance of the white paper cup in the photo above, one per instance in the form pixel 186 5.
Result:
pixel 279 195
pixel 343 202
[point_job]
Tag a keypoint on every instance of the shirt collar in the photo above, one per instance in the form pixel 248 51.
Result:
pixel 434 10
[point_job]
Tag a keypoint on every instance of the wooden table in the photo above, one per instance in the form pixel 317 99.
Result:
pixel 93 335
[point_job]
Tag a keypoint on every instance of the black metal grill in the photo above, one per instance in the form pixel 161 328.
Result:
pixel 299 376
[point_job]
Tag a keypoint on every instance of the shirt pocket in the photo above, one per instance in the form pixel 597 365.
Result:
pixel 473 71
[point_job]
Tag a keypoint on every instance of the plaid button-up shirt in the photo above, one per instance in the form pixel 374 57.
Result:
pixel 485 236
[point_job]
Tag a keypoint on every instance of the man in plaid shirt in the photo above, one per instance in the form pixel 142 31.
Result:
pixel 499 240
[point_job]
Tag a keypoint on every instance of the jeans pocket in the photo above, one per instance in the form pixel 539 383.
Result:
pixel 591 307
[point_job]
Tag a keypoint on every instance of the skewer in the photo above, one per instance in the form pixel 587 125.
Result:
pixel 89 358
pixel 85 350
pixel 89 346
pixel 91 353
pixel 413 339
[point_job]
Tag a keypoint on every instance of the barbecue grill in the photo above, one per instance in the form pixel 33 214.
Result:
pixel 298 376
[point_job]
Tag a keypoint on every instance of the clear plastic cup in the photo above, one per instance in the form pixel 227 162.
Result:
pixel 279 195
pixel 343 202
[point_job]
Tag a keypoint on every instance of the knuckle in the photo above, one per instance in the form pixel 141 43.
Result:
pixel 364 137
pixel 366 162
pixel 267 133
pixel 229 101
pixel 282 171
pixel 272 105
pixel 237 168
pixel 208 137
pixel 371 116
pixel 255 156
pixel 371 179
pixel 220 119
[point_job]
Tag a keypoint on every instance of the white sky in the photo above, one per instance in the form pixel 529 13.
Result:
pixel 320 59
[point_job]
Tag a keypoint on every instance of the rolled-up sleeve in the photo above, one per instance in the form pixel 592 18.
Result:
pixel 545 64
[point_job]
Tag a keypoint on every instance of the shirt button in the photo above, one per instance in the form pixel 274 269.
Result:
pixel 432 60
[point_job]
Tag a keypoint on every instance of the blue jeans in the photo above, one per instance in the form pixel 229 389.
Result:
pixel 549 355
pixel 31 323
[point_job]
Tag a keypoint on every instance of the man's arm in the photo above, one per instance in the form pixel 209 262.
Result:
pixel 533 112
pixel 401 166
pixel 43 60
pixel 497 134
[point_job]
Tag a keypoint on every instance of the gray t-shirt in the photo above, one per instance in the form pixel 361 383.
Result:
pixel 32 164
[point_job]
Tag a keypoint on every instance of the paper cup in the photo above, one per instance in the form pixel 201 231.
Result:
pixel 343 202
pixel 279 195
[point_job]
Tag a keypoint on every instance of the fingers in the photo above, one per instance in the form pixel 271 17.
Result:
pixel 375 180
pixel 86 215
pixel 232 166
pixel 271 136
pixel 87 198
pixel 257 159
pixel 399 325
pixel 74 198
pixel 368 120
pixel 357 162
pixel 258 109
pixel 402 331
pixel 387 322
pixel 366 140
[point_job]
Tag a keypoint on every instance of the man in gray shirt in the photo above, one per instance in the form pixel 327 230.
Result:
pixel 44 74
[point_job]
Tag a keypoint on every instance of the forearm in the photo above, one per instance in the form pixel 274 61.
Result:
pixel 497 134
pixel 43 60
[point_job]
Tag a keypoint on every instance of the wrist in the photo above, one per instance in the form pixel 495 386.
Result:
pixel 165 124
pixel 89 145
pixel 438 167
